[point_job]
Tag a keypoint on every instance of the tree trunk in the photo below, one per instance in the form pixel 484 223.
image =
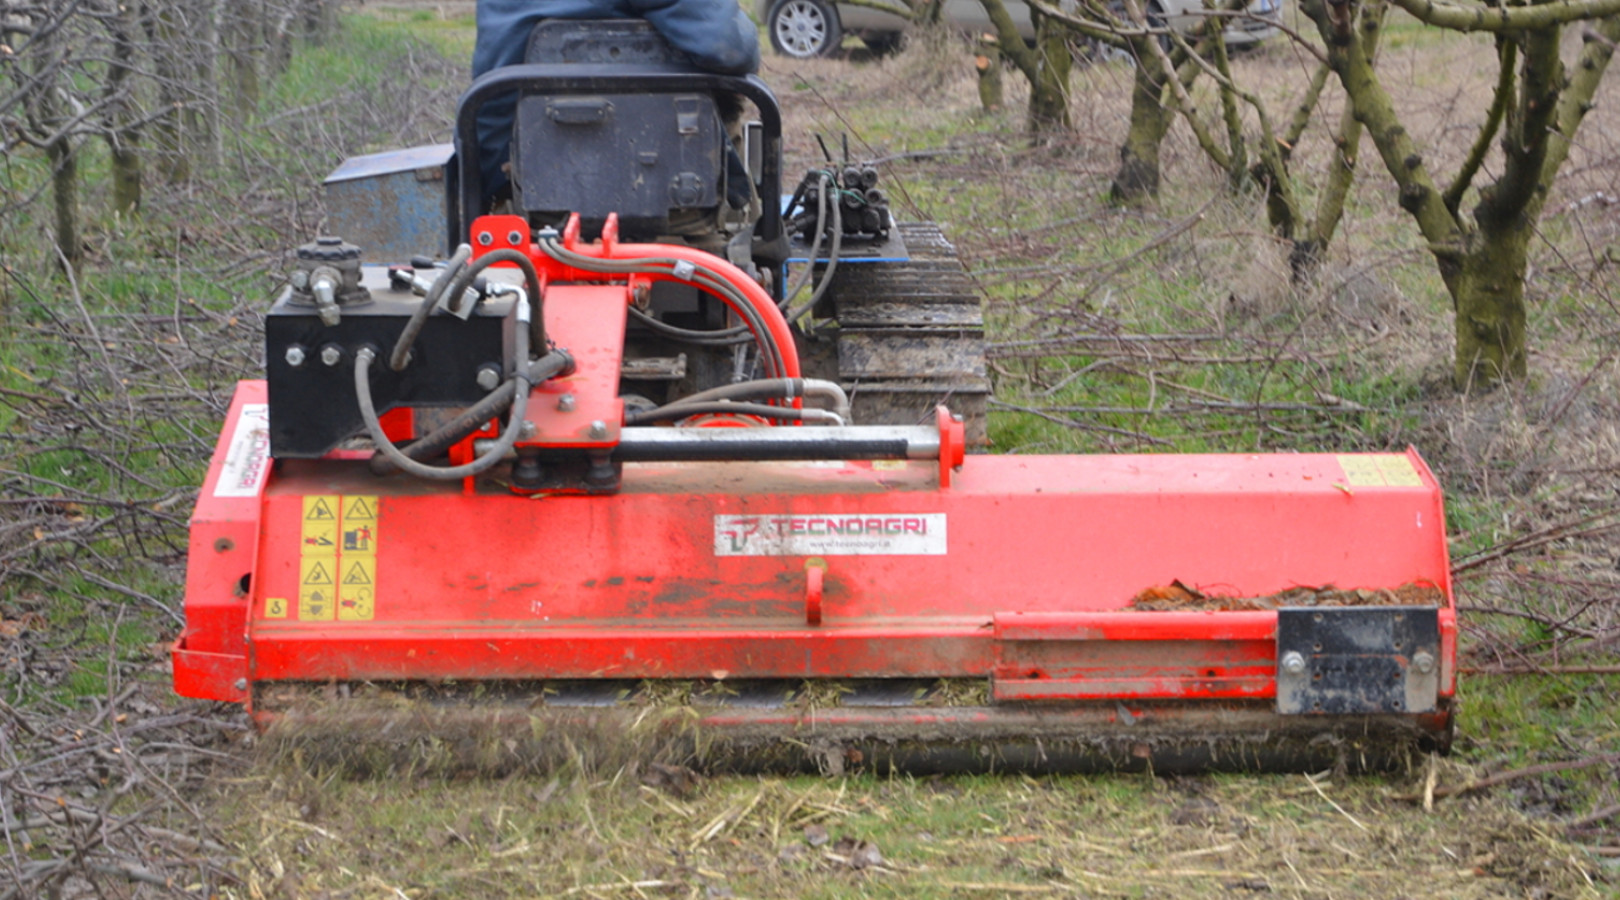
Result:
pixel 164 28
pixel 65 198
pixel 124 137
pixel 201 46
pixel 1049 84
pixel 1138 175
pixel 1046 67
pixel 317 20
pixel 988 62
pixel 279 36
pixel 1487 289
pixel 244 36
pixel 126 175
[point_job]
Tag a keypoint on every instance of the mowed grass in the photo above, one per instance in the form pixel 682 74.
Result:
pixel 862 836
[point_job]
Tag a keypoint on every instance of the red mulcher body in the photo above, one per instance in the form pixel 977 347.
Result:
pixel 808 593
pixel 711 566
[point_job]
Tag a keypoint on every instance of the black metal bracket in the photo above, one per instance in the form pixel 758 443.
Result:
pixel 1358 660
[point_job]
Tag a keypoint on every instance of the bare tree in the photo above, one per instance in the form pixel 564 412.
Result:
pixel 1046 65
pixel 142 77
pixel 1536 110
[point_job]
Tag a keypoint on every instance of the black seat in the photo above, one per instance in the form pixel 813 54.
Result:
pixel 648 157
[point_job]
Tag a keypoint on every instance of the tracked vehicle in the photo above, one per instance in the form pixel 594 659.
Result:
pixel 598 474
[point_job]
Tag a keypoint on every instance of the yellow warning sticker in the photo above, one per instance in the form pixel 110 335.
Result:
pixel 357 591
pixel 316 604
pixel 316 571
pixel 321 508
pixel 1398 471
pixel 337 563
pixel 355 604
pixel 359 537
pixel 320 537
pixel 1361 471
pixel 357 571
pixel 1379 470
pixel 360 509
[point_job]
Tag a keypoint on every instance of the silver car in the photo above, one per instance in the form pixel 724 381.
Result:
pixel 807 28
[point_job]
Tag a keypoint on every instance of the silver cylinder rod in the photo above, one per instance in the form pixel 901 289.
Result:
pixel 776 444
pixel 846 442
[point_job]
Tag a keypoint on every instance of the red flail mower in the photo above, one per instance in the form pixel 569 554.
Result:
pixel 604 474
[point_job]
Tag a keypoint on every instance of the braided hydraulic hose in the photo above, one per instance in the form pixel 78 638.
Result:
pixel 520 404
pixel 693 273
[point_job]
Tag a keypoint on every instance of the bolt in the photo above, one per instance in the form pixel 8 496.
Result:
pixel 489 377
pixel 514 238
pixel 299 279
pixel 528 429
pixel 241 684
pixel 566 403
pixel 1293 663
pixel 295 356
pixel 1423 662
pixel 331 355
pixel 598 430
pixel 485 238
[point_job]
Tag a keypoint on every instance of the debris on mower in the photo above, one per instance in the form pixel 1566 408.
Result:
pixel 1178 596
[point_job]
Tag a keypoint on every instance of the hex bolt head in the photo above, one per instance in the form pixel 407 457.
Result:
pixel 241 684
pixel 331 355
pixel 528 429
pixel 1293 663
pixel 295 355
pixel 567 403
pixel 598 430
pixel 485 238
pixel 489 377
pixel 299 279
pixel 1423 662
pixel 514 238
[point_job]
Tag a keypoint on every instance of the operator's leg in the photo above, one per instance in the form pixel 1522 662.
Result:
pixel 503 34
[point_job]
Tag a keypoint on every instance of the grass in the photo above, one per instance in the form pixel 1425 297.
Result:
pixel 869 837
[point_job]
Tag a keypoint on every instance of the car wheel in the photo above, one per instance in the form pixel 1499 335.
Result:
pixel 804 29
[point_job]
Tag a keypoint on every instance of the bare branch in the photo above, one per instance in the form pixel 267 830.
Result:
pixel 1471 17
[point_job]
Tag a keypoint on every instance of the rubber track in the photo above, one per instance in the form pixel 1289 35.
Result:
pixel 911 336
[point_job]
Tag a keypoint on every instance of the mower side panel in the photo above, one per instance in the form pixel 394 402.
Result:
pixel 1023 571
pixel 210 656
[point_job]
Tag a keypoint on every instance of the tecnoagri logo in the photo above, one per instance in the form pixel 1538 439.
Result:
pixel 895 534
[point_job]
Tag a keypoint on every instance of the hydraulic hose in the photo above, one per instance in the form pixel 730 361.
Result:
pixel 454 281
pixel 793 314
pixel 726 407
pixel 520 405
pixel 770 331
pixel 436 442
pixel 430 300
pixel 772 389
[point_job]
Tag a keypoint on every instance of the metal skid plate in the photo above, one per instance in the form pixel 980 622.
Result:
pixel 1357 660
